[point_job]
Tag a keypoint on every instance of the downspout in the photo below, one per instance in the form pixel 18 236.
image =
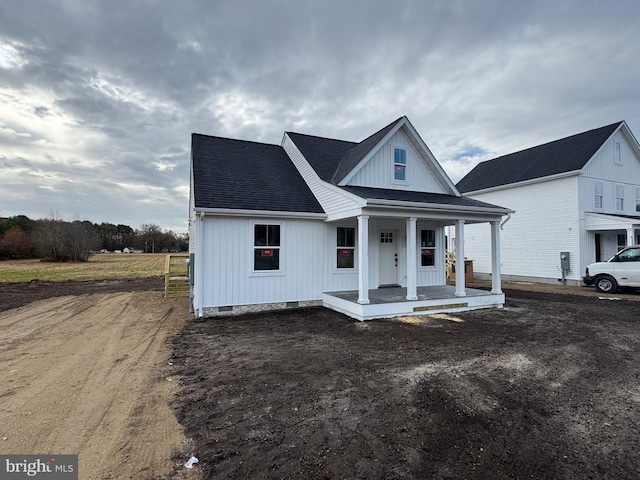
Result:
pixel 505 221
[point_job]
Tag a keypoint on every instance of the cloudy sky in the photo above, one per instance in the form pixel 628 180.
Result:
pixel 98 99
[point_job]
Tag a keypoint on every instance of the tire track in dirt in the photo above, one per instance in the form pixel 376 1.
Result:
pixel 83 375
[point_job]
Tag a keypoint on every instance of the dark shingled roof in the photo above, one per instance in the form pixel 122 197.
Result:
pixel 334 159
pixel 238 174
pixel 419 197
pixel 561 156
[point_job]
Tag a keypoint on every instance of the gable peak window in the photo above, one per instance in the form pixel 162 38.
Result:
pixel 266 247
pixel 617 159
pixel 399 164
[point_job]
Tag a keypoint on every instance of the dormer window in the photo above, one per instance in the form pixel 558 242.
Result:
pixel 400 164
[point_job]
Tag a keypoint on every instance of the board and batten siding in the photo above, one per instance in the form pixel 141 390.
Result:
pixel 378 171
pixel 307 263
pixel 308 254
pixel 544 224
pixel 334 202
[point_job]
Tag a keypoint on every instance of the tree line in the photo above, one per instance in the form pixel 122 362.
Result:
pixel 58 240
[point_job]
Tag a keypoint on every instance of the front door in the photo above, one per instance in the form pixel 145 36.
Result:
pixel 388 261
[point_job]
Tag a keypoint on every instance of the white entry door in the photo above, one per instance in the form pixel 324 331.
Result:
pixel 388 262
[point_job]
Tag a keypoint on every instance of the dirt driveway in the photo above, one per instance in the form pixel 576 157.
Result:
pixel 87 373
pixel 548 387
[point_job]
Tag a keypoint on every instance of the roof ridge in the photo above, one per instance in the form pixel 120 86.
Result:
pixel 345 157
pixel 319 137
pixel 557 140
pixel 235 139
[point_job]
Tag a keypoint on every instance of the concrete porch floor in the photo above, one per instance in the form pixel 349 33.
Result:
pixel 392 301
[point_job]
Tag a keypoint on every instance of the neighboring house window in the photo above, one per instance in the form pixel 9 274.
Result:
pixel 266 247
pixel 637 199
pixel 622 241
pixel 399 164
pixel 617 159
pixel 346 244
pixel 619 197
pixel 598 192
pixel 427 248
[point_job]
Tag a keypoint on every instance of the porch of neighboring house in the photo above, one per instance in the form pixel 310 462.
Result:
pixel 392 302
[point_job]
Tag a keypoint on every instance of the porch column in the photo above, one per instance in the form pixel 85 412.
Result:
pixel 412 263
pixel 631 233
pixel 363 259
pixel 496 281
pixel 460 259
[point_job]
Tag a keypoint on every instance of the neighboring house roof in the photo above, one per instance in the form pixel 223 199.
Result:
pixel 238 174
pixel 419 197
pixel 561 156
pixel 334 159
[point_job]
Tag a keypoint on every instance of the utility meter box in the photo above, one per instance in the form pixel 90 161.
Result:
pixel 565 261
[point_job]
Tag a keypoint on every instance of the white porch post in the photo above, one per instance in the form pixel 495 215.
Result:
pixel 363 259
pixel 630 236
pixel 496 281
pixel 460 259
pixel 412 264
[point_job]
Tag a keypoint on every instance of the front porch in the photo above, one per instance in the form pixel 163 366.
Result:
pixel 392 302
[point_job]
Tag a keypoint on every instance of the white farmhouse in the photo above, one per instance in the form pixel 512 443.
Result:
pixel 355 226
pixel 576 201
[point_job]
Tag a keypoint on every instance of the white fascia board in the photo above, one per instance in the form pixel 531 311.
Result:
pixel 372 152
pixel 230 212
pixel 431 157
pixel 457 209
pixel 443 216
pixel 525 182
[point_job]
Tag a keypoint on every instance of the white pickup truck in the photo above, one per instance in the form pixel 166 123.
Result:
pixel 621 270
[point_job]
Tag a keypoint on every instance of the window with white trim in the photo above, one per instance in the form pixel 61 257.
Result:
pixel 637 199
pixel 617 159
pixel 346 246
pixel 598 193
pixel 619 197
pixel 266 247
pixel 427 248
pixel 399 164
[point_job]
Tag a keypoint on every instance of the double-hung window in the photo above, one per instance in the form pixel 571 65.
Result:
pixel 266 247
pixel 598 193
pixel 619 197
pixel 346 244
pixel 427 248
pixel 399 164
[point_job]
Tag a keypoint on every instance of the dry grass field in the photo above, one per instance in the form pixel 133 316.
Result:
pixel 99 267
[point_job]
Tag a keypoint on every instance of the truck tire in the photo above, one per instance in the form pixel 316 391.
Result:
pixel 606 284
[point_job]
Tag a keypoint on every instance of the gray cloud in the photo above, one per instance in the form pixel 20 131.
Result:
pixel 98 99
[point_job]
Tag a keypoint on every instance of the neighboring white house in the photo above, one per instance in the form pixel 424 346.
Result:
pixel 577 198
pixel 356 227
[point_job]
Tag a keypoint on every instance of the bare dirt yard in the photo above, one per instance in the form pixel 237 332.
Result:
pixel 548 387
pixel 84 370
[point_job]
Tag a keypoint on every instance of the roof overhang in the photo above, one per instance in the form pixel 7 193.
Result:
pixel 601 221
pixel 525 182
pixel 231 212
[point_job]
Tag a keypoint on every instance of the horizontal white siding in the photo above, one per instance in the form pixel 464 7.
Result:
pixel 307 259
pixel 544 224
pixel 378 171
